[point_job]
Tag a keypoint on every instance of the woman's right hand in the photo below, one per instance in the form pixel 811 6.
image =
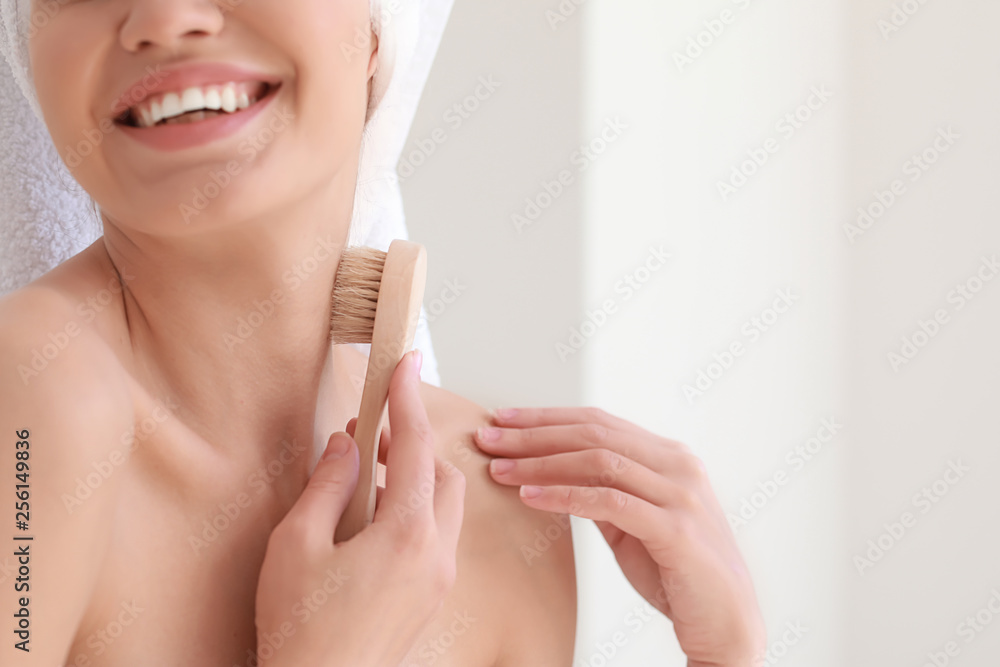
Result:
pixel 363 601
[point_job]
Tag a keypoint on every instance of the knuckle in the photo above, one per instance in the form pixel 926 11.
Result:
pixel 328 485
pixel 691 467
pixel 422 432
pixel 594 433
pixel 678 446
pixel 608 460
pixel 620 501
pixel 686 499
pixel 595 414
pixel 445 575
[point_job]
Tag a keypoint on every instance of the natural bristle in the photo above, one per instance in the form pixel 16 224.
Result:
pixel 355 295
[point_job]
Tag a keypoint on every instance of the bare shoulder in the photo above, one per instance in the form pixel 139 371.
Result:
pixel 63 403
pixel 526 554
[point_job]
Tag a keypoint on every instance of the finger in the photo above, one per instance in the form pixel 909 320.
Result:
pixel 591 468
pixel 329 489
pixel 657 528
pixel 647 448
pixel 449 503
pixel 410 461
pixel 530 417
pixel 383 440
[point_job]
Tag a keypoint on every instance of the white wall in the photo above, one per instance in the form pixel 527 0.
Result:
pixel 692 122
pixel 941 69
pixel 825 358
pixel 517 288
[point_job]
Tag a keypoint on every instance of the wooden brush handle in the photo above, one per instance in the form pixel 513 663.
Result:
pixel 400 295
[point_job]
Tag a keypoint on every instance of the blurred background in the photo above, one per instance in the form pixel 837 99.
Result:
pixel 768 229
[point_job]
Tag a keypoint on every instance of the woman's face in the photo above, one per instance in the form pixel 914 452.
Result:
pixel 107 71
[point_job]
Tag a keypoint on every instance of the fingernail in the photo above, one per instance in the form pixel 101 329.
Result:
pixel 505 413
pixel 487 434
pixel 418 359
pixel 528 491
pixel 339 444
pixel 500 466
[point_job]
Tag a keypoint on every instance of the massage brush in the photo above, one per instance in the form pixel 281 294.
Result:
pixel 376 299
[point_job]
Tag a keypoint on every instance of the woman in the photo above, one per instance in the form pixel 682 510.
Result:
pixel 206 541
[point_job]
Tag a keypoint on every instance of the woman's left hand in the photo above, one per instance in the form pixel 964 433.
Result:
pixel 652 501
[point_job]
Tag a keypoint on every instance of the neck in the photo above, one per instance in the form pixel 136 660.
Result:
pixel 234 323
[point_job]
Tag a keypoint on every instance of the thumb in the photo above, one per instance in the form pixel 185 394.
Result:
pixel 330 488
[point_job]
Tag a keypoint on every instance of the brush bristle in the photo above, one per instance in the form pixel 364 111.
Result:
pixel 355 295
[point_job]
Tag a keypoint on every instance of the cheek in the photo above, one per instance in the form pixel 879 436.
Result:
pixel 329 43
pixel 64 54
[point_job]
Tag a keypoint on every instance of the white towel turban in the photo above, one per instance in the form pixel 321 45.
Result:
pixel 46 217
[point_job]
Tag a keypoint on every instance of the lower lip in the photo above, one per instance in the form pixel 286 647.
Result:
pixel 179 136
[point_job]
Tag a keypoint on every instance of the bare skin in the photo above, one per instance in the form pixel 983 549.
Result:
pixel 207 333
pixel 186 596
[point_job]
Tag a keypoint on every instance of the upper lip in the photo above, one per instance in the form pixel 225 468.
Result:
pixel 177 78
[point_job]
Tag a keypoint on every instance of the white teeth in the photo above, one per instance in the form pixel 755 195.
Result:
pixel 157 112
pixel 193 99
pixel 229 97
pixel 171 105
pixel 213 100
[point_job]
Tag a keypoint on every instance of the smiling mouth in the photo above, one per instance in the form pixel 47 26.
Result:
pixel 196 103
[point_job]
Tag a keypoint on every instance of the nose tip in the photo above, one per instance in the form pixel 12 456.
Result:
pixel 169 25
